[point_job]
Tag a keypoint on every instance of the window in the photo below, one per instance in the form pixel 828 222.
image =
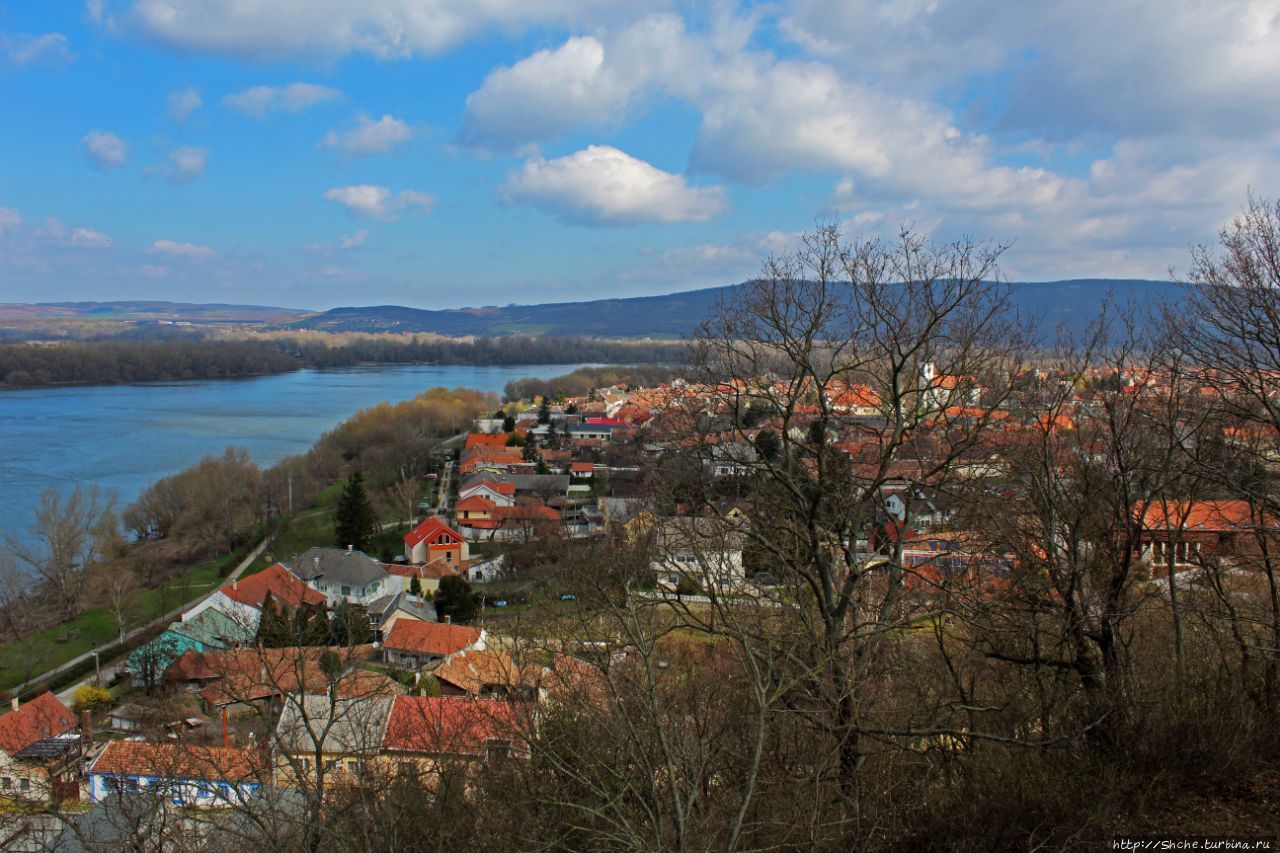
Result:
pixel 24 784
pixel 346 590
pixel 6 782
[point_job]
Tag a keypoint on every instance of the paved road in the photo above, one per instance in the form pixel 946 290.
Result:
pixel 121 649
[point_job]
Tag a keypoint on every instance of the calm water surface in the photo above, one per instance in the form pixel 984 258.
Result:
pixel 124 437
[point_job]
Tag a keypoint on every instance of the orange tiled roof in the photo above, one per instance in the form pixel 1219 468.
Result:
pixel 44 716
pixel 430 638
pixel 180 761
pixel 277 580
pixel 449 725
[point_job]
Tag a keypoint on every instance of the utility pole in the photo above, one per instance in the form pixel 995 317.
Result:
pixel 290 493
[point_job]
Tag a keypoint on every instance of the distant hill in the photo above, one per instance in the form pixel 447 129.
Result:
pixel 149 311
pixel 1071 303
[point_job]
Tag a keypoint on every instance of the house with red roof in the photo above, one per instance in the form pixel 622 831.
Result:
pixel 482 439
pixel 411 645
pixel 186 774
pixel 434 540
pixel 39 750
pixel 424 731
pixel 242 598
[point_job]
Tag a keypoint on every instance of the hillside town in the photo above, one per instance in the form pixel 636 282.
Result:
pixel 334 670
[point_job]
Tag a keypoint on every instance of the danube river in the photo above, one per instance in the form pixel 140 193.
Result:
pixel 124 437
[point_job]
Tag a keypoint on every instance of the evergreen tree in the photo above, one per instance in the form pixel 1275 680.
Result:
pixel 274 624
pixel 415 587
pixel 455 599
pixel 508 424
pixel 544 412
pixel 310 627
pixel 349 625
pixel 768 445
pixel 354 521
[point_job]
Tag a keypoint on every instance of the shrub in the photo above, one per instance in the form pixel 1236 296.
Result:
pixel 90 697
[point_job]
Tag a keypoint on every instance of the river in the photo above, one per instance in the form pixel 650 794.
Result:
pixel 124 437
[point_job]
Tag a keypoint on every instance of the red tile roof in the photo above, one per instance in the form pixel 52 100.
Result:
pixel 474 502
pixel 430 638
pixel 180 761
pixel 448 725
pixel 42 717
pixel 277 580
pixel 430 529
pixel 480 439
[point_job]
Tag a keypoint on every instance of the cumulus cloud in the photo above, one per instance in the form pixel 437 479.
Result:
pixel 545 95
pixel 378 202
pixel 261 101
pixel 601 185
pixel 104 149
pixel 23 49
pixel 586 81
pixel 181 250
pixel 388 29
pixel 184 102
pixel 1182 64
pixel 369 136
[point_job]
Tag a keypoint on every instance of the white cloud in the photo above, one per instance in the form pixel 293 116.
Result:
pixel 348 241
pixel 104 149
pixel 388 29
pixel 184 102
pixel 545 95
pixel 9 220
pixel 377 202
pixel 186 163
pixel 80 238
pixel 260 101
pixel 587 81
pixel 601 185
pixel 181 250
pixel 1136 67
pixel 369 136
pixel 353 241
pixel 22 49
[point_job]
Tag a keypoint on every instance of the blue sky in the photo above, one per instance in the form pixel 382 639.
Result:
pixel 432 153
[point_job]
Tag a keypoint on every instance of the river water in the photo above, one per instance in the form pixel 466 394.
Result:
pixel 124 437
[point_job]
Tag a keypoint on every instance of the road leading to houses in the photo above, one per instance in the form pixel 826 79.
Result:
pixel 119 648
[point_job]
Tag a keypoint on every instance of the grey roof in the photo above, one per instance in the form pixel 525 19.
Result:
pixel 523 482
pixel 383 607
pixel 353 568
pixel 342 726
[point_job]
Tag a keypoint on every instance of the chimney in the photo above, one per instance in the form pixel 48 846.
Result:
pixel 14 702
pixel 351 548
pixel 86 728
pixel 448 620
pixel 235 583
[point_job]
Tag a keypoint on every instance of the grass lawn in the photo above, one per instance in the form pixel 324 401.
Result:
pixel 41 652
pixel 312 528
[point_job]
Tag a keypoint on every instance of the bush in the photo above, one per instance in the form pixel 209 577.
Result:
pixel 90 697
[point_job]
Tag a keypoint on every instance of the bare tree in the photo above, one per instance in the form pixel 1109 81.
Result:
pixel 72 531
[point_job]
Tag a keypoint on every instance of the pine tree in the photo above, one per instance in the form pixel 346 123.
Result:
pixel 544 412
pixel 349 625
pixel 455 599
pixel 353 521
pixel 274 624
pixel 508 424
pixel 415 587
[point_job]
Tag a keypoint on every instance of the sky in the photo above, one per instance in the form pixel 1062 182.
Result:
pixel 437 154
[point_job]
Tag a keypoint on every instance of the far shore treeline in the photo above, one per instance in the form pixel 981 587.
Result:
pixel 110 362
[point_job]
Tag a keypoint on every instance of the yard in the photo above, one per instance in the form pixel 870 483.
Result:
pixel 38 653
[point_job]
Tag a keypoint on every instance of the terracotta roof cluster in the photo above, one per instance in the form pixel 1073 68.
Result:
pixel 180 761
pixel 1213 516
pixel 43 717
pixel 430 638
pixel 246 675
